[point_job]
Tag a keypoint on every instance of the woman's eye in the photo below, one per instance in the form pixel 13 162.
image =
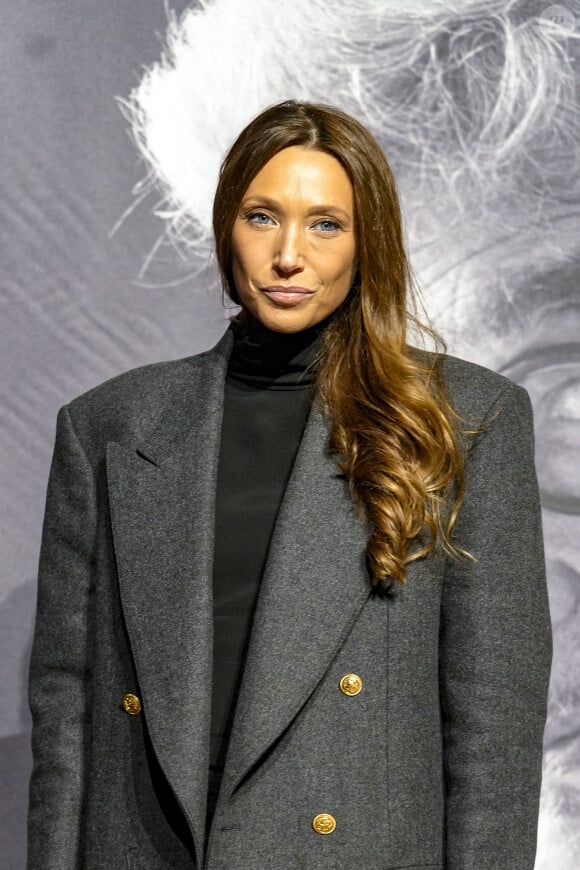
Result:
pixel 327 225
pixel 259 218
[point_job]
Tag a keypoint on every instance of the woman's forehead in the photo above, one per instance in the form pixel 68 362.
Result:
pixel 303 175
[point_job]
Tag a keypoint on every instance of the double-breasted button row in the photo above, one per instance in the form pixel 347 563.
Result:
pixel 131 704
pixel 350 685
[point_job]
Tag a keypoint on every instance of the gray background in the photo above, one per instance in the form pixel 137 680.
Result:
pixel 75 310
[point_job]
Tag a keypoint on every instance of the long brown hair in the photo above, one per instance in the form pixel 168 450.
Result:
pixel 393 428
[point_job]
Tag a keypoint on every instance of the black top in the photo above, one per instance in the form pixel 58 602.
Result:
pixel 268 393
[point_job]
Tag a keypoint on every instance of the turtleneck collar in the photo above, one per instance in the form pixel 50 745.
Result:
pixel 263 358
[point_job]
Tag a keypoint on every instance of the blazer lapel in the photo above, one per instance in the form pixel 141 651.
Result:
pixel 162 498
pixel 314 585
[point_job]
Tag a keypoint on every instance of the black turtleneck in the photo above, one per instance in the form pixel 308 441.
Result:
pixel 268 392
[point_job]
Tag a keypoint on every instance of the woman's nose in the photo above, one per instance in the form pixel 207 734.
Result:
pixel 288 256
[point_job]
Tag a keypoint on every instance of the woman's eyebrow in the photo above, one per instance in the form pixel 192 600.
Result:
pixel 315 209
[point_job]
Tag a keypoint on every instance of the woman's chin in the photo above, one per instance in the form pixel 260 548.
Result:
pixel 284 319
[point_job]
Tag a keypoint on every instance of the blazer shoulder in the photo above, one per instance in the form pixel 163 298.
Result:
pixel 475 390
pixel 126 406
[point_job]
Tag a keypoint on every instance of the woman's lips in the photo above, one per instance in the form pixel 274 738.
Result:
pixel 287 295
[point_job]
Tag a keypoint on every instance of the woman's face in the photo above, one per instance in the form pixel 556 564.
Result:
pixel 293 240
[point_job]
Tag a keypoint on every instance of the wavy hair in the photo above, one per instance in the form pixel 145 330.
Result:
pixel 393 428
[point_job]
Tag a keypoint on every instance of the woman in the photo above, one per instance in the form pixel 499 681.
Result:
pixel 314 546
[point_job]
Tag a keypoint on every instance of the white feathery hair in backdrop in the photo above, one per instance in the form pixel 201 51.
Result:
pixel 473 102
pixel 464 96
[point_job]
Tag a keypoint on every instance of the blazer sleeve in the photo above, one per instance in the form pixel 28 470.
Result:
pixel 58 676
pixel 496 650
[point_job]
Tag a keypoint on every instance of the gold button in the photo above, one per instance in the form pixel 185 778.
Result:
pixel 131 704
pixel 351 684
pixel 324 823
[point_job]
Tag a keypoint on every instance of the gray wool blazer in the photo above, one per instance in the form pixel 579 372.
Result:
pixel 435 763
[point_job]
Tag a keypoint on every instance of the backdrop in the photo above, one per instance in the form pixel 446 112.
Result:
pixel 106 258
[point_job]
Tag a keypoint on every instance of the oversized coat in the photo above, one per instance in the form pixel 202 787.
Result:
pixel 435 762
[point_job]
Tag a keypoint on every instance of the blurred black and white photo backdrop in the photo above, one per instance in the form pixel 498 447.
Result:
pixel 114 119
